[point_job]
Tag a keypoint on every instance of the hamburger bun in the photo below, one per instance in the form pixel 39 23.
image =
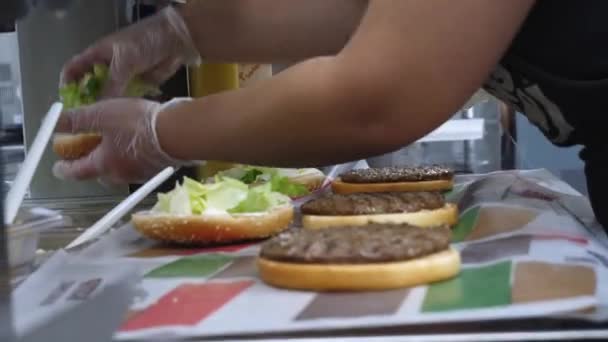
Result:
pixel 447 215
pixel 75 146
pixel 311 178
pixel 360 277
pixel 212 228
pixel 424 209
pixel 394 179
pixel 374 257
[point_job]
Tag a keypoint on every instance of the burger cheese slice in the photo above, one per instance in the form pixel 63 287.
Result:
pixel 372 257
pixel 425 209
pixel 225 211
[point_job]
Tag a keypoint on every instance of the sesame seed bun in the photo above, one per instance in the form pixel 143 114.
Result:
pixel 447 215
pixel 75 146
pixel 215 228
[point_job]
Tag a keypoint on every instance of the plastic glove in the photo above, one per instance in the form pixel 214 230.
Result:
pixel 152 49
pixel 129 152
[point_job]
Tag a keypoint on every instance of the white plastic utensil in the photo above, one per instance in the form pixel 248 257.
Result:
pixel 22 181
pixel 336 170
pixel 123 208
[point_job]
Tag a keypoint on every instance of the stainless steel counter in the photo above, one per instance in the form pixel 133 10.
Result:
pixel 80 213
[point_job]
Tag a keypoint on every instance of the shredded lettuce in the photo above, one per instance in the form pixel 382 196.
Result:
pixel 177 201
pixel 285 186
pixel 226 195
pixel 251 176
pixel 89 88
pixel 254 174
pixel 259 198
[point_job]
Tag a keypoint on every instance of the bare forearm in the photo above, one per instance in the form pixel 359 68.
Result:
pixel 270 31
pixel 376 95
pixel 289 120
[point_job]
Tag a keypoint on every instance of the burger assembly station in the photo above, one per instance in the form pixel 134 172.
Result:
pixel 444 240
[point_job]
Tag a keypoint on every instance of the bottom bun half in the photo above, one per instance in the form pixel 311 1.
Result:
pixel 447 215
pixel 360 277
pixel 209 229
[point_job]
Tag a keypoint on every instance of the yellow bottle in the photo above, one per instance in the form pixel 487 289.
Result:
pixel 207 79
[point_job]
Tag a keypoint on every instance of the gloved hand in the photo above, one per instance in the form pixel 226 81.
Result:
pixel 152 49
pixel 129 152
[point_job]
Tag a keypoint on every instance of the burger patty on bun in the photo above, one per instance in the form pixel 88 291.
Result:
pixel 373 243
pixel 397 174
pixel 373 203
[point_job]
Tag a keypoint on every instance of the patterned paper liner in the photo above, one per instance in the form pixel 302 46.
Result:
pixel 521 257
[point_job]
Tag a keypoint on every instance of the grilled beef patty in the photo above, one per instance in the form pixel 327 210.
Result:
pixel 397 174
pixel 356 245
pixel 373 203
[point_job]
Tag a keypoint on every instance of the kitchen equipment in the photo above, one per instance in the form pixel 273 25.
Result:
pixel 207 79
pixel 470 142
pixel 41 32
pixel 24 234
pixel 15 195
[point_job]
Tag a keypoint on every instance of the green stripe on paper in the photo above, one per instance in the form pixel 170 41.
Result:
pixel 465 225
pixel 474 288
pixel 191 267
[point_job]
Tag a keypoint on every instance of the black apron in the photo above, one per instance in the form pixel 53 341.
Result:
pixel 556 73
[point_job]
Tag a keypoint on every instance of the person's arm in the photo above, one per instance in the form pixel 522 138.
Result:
pixel 269 30
pixel 218 30
pixel 407 69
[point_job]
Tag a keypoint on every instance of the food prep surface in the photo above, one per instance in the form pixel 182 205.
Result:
pixel 524 250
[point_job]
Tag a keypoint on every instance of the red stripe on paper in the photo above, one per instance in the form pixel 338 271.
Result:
pixel 186 305
pixel 575 239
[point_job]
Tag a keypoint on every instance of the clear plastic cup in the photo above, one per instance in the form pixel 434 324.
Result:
pixel 23 236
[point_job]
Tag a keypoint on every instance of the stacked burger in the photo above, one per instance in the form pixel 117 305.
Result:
pixel 379 229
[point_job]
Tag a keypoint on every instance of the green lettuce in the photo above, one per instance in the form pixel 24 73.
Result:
pixel 288 188
pixel 177 201
pixel 259 198
pixel 254 174
pixel 89 88
pixel 251 176
pixel 225 195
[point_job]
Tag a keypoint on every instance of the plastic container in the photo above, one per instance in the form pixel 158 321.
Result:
pixel 24 235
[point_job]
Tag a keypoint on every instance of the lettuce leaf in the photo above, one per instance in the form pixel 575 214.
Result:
pixel 259 199
pixel 286 187
pixel 89 88
pixel 251 176
pixel 279 183
pixel 226 195
pixel 177 201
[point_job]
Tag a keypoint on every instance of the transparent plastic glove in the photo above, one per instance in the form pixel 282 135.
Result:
pixel 152 49
pixel 129 152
